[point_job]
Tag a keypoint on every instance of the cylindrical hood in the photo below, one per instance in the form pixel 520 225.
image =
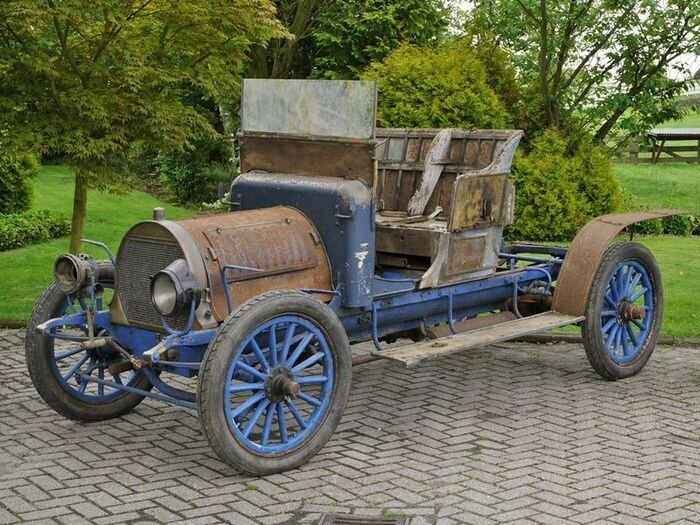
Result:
pixel 251 252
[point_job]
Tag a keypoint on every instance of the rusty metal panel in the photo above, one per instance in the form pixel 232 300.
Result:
pixel 585 253
pixel 465 255
pixel 308 158
pixel 279 241
pixel 310 108
pixel 477 200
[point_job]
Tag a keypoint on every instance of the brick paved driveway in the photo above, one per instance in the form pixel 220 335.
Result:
pixel 517 433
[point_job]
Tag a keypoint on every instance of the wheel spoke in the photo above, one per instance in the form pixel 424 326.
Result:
pixel 611 336
pixel 620 282
pixel 638 294
pixel 608 313
pixel 633 337
pixel 311 380
pixel 634 283
pixel 246 387
pixel 282 423
pixel 272 344
pixel 308 362
pixel 618 341
pixel 247 405
pixel 609 299
pixel 300 348
pixel 117 379
pixel 295 412
pixel 255 417
pixel 69 353
pixel 609 325
pixel 309 399
pixel 252 371
pixel 75 367
pixel 259 354
pixel 269 414
pixel 287 342
pixel 638 325
pixel 625 344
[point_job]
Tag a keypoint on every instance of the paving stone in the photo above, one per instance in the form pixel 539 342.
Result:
pixel 517 434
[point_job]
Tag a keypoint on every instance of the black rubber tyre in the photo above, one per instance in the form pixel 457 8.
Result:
pixel 232 336
pixel 603 360
pixel 42 371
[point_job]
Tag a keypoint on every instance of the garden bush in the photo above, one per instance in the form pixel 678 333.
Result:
pixel 561 184
pixel 441 88
pixel 190 179
pixel 681 225
pixel 22 229
pixel 16 170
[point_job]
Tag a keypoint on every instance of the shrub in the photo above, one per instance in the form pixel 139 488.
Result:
pixel 440 88
pixel 561 184
pixel 22 229
pixel 192 180
pixel 16 170
pixel 681 225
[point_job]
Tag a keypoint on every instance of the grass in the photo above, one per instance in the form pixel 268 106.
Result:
pixel 692 120
pixel 662 185
pixel 25 272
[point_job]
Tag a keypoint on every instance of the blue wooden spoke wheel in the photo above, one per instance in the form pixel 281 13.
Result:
pixel 274 382
pixel 61 369
pixel 624 311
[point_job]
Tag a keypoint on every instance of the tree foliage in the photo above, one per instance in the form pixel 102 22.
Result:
pixel 84 80
pixel 608 56
pixel 338 39
pixel 442 87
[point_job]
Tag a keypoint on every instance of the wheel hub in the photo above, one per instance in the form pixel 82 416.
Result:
pixel 627 312
pixel 280 384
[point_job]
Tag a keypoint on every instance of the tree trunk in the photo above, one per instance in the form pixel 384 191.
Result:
pixel 77 231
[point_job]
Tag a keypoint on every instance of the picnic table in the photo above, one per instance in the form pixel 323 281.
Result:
pixel 660 137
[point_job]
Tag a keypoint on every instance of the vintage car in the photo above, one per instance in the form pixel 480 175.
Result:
pixel 339 233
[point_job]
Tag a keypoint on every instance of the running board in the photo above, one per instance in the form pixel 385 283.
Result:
pixel 417 352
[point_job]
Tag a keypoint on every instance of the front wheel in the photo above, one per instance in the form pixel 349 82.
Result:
pixel 624 311
pixel 61 370
pixel 274 382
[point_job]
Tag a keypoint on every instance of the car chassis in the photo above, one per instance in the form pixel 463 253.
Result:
pixel 339 233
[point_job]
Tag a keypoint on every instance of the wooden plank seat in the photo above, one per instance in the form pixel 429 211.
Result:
pixel 438 195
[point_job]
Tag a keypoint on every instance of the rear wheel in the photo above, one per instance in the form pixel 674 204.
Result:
pixel 274 382
pixel 624 311
pixel 60 369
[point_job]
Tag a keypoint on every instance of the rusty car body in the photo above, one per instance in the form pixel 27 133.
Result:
pixel 338 233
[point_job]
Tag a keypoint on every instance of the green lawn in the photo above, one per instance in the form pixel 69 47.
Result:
pixel 663 185
pixel 691 120
pixel 25 272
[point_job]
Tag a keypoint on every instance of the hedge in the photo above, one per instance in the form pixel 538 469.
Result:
pixel 16 170
pixel 22 229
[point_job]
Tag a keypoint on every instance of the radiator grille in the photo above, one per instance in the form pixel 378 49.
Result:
pixel 139 259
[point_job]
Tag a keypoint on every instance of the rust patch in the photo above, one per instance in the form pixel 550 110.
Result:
pixel 280 241
pixel 465 255
pixel 584 255
pixel 306 157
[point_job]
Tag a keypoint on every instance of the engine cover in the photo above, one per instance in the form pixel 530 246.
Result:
pixel 265 249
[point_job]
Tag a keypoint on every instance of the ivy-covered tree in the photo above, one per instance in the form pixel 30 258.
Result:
pixel 609 57
pixel 84 80
pixel 339 38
